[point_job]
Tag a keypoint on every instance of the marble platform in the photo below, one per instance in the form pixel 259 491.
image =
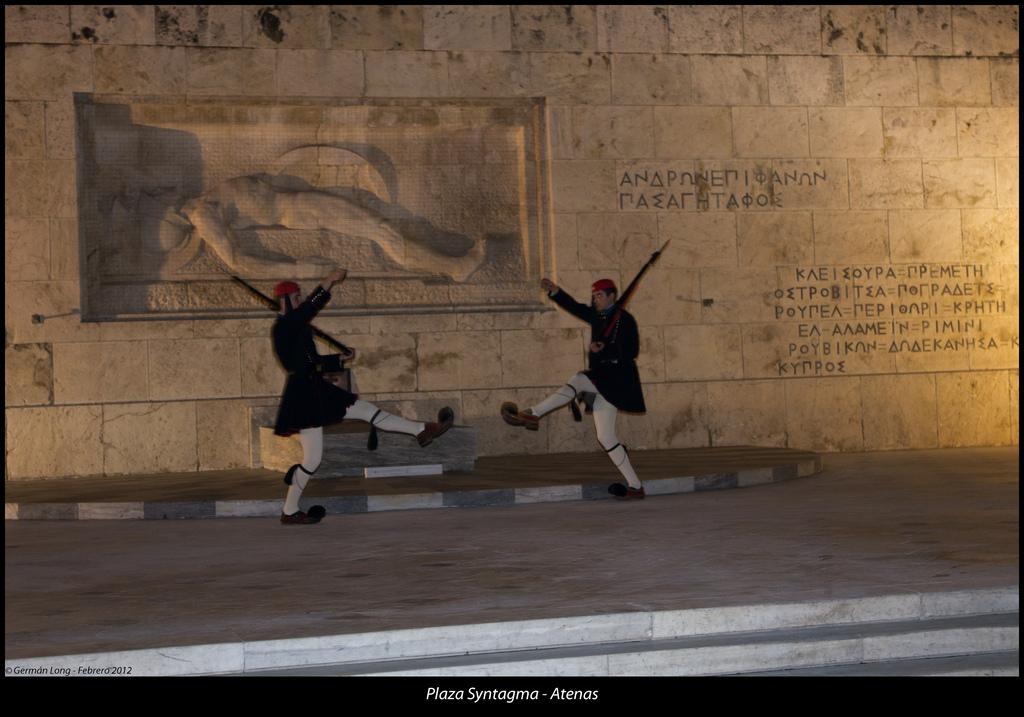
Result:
pixel 495 481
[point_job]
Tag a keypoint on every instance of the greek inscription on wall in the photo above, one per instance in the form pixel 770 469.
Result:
pixel 863 311
pixel 678 189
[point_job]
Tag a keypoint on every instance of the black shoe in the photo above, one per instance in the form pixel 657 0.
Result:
pixel 315 515
pixel 625 492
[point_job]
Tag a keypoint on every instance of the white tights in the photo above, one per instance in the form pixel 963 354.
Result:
pixel 312 440
pixel 604 421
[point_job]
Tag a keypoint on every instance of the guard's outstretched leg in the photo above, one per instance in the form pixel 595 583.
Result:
pixel 530 418
pixel 425 433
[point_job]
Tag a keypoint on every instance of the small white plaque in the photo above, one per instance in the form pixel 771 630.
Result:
pixel 434 469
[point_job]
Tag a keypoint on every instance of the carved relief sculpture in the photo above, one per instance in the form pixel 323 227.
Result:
pixel 434 205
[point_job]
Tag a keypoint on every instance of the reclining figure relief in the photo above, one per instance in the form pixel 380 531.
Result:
pixel 228 219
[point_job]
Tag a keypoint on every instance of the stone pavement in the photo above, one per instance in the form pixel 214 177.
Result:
pixel 868 524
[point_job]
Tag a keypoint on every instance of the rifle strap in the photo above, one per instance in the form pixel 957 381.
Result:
pixel 612 324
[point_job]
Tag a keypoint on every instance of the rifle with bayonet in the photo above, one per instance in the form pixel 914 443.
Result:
pixel 625 296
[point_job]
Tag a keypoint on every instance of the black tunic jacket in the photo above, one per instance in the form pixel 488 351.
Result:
pixel 612 370
pixel 308 400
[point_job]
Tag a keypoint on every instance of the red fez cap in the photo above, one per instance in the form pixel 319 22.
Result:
pixel 604 285
pixel 285 288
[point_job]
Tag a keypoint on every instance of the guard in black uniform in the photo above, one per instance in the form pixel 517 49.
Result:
pixel 310 402
pixel 611 383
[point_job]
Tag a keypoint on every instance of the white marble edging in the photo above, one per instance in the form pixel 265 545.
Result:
pixel 447 641
pixel 404 501
pixel 549 494
pixel 560 632
pixel 744 618
pixel 962 602
pixel 668 486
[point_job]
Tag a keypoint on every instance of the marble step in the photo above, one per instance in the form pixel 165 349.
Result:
pixel 733 653
pixel 993 664
pixel 902 626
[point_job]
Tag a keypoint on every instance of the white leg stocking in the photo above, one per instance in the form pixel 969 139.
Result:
pixel 604 420
pixel 312 440
pixel 579 384
pixel 364 411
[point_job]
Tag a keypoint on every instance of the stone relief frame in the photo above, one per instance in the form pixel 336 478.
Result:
pixel 432 205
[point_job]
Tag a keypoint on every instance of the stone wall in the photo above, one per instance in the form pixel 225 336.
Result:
pixel 840 184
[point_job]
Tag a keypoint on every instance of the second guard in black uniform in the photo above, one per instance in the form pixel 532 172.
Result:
pixel 310 401
pixel 611 383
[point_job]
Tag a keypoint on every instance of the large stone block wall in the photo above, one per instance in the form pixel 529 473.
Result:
pixel 801 159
